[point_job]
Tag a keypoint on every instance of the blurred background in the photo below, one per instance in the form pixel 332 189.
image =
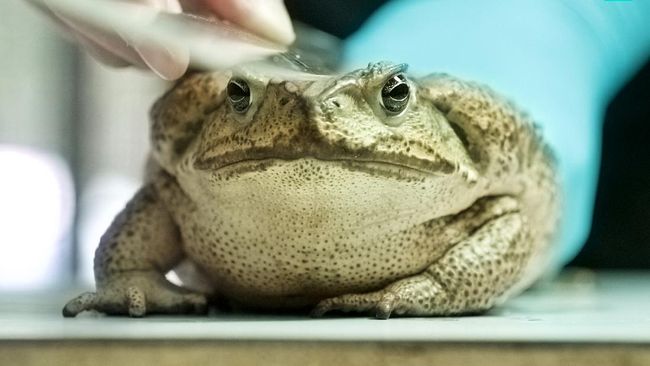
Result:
pixel 73 142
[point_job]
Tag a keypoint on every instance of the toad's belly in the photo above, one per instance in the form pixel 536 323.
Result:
pixel 308 229
pixel 300 272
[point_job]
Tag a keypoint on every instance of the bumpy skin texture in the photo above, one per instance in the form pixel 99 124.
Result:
pixel 316 198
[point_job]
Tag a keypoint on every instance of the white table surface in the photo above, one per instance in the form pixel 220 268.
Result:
pixel 585 308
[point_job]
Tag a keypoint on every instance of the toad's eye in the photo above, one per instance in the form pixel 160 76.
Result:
pixel 239 95
pixel 395 94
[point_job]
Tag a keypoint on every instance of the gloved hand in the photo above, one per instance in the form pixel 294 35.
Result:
pixel 267 18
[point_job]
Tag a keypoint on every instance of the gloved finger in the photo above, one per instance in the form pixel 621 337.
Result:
pixel 99 53
pixel 172 6
pixel 136 302
pixel 266 18
pixel 115 50
pixel 93 48
pixel 167 62
pixel 105 45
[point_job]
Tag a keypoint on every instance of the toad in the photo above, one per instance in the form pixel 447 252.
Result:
pixel 370 191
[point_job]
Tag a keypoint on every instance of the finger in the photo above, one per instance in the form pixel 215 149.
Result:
pixel 103 43
pixel 168 63
pixel 322 307
pixel 115 50
pixel 349 302
pixel 168 302
pixel 167 5
pixel 95 50
pixel 136 302
pixel 197 303
pixel 386 306
pixel 101 54
pixel 266 18
pixel 85 301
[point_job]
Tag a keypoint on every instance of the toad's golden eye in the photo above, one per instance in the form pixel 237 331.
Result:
pixel 395 94
pixel 239 95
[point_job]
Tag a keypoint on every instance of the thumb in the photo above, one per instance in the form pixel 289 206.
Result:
pixel 266 18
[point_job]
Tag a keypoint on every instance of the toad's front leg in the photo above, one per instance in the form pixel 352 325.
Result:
pixel 471 277
pixel 133 256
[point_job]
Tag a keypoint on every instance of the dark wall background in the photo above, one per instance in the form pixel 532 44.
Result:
pixel 620 236
pixel 337 17
pixel 620 233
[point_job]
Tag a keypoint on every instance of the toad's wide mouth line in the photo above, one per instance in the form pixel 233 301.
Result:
pixel 363 165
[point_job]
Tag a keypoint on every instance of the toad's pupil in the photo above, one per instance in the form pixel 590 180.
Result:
pixel 239 95
pixel 395 94
pixel 399 92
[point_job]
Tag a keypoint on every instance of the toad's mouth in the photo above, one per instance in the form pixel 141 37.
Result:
pixel 373 167
pixel 356 161
pixel 380 167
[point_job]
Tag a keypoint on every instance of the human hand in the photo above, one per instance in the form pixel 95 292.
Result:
pixel 266 18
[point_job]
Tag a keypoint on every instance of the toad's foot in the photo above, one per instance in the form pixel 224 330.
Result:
pixel 399 298
pixel 137 294
pixel 471 277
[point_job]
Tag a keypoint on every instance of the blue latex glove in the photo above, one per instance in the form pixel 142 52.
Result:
pixel 560 61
